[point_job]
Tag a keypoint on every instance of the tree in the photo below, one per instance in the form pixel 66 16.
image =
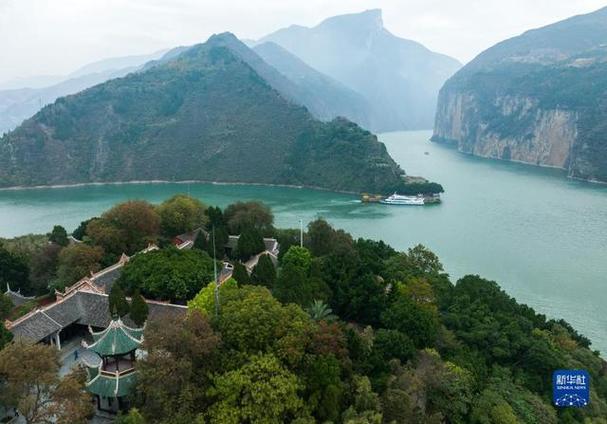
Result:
pixel 250 243
pixel 181 214
pixel 240 274
pixel 295 282
pixel 5 336
pixel 58 236
pixel 43 267
pixel 71 401
pixel 14 271
pixel 173 376
pixel 320 311
pixel 221 239
pixel 264 273
pixel 204 302
pixel 32 383
pixel 77 261
pixel 117 303
pixel 253 321
pixel 366 407
pixel 126 228
pixel 392 344
pixel 246 215
pixel 416 262
pixel 167 274
pixel 133 417
pixel 320 237
pixel 262 391
pixel 6 306
pixel 139 309
pixel 419 323
pixel 80 232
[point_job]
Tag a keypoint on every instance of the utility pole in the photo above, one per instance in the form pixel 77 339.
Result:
pixel 215 274
pixel 301 233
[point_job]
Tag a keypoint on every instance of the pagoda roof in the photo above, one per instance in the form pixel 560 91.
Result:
pixel 116 339
pixel 112 384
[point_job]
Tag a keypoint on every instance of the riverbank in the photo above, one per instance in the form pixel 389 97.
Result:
pixel 143 182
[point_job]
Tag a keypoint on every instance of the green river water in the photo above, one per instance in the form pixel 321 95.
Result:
pixel 542 236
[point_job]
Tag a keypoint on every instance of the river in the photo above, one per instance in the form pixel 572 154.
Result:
pixel 542 236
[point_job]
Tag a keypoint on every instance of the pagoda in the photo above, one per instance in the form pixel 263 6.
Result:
pixel 110 362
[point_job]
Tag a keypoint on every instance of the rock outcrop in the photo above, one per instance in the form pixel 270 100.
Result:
pixel 537 98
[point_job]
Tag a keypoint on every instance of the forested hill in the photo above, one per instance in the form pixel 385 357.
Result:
pixel 537 98
pixel 211 113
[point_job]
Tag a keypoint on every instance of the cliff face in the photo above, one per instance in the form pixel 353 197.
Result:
pixel 543 137
pixel 538 98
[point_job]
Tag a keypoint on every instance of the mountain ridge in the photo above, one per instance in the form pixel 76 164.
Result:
pixel 399 78
pixel 206 114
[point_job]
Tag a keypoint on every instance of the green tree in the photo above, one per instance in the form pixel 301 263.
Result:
pixel 261 391
pixel 6 306
pixel 240 216
pixel 366 407
pixel 295 282
pixel 43 267
pixel 168 274
pixel 320 237
pixel 139 309
pixel 173 377
pixel 59 236
pixel 320 311
pixel 240 274
pixel 180 214
pixel 264 273
pixel 80 232
pixel 221 239
pixel 133 417
pixel 117 303
pixel 14 271
pixel 250 242
pixel 5 336
pixel 75 262
pixel 324 387
pixel 419 323
pixel 204 301
pixel 253 321
pixel 392 344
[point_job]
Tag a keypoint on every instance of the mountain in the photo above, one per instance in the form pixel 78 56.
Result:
pixel 322 95
pixel 539 98
pixel 210 113
pixel 18 104
pixel 399 78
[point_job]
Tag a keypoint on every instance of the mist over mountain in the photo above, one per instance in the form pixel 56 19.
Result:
pixel 214 112
pixel 399 78
pixel 325 97
pixel 538 98
pixel 18 104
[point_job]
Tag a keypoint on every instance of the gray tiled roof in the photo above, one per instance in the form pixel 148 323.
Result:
pixel 83 308
pixel 108 278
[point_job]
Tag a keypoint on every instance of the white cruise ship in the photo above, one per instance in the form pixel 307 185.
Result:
pixel 397 199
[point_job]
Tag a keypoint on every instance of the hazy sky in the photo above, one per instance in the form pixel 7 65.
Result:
pixel 47 37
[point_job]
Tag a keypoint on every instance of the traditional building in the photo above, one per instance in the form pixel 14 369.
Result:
pixel 110 362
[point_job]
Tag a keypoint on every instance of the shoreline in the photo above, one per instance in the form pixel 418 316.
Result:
pixel 452 145
pixel 142 182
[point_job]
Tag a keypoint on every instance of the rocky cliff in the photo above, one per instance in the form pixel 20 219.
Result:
pixel 538 98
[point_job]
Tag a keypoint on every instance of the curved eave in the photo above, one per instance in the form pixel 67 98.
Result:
pixel 112 385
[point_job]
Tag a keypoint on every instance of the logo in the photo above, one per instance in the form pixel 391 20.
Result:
pixel 570 388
